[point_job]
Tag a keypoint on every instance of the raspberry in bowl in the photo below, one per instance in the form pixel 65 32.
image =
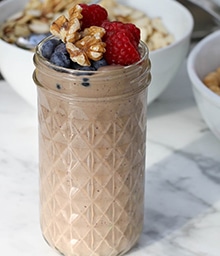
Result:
pixel 92 135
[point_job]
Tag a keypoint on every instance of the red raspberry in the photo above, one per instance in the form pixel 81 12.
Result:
pixel 130 29
pixel 93 15
pixel 134 30
pixel 112 26
pixel 120 50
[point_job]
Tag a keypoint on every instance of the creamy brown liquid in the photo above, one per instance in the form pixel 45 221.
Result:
pixel 92 163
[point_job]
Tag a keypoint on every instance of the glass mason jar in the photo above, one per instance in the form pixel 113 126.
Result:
pixel 92 139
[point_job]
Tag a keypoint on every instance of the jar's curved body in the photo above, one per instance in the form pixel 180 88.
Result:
pixel 92 136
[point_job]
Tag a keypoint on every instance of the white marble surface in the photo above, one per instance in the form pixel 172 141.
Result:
pixel 182 181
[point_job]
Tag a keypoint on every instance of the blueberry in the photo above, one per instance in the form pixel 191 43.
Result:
pixel 79 67
pixel 48 48
pixel 61 48
pixel 60 59
pixel 87 68
pixel 100 63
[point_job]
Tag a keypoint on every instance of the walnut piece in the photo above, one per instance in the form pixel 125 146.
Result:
pixel 86 49
pixel 82 46
pixel 97 32
pixel 67 29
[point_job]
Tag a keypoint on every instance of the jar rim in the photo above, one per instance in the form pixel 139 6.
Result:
pixel 93 84
pixel 142 48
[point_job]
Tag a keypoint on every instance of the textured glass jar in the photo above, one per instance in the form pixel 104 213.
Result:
pixel 92 139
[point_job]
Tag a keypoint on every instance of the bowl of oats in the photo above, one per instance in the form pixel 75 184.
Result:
pixel 203 66
pixel 165 26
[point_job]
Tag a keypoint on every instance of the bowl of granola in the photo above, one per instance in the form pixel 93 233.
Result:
pixel 203 66
pixel 165 26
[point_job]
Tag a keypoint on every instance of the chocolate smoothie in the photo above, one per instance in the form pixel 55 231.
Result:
pixel 92 128
pixel 92 80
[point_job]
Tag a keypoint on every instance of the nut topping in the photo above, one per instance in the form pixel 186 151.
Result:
pixel 67 30
pixel 59 26
pixel 97 32
pixel 86 49
pixel 82 46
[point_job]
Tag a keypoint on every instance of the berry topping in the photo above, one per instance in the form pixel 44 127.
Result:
pixel 93 15
pixel 89 41
pixel 48 47
pixel 130 29
pixel 100 63
pixel 79 67
pixel 55 51
pixel 59 55
pixel 120 50
pixel 60 59
pixel 61 48
pixel 122 40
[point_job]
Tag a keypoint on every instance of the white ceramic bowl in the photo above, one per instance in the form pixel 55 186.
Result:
pixel 205 58
pixel 17 67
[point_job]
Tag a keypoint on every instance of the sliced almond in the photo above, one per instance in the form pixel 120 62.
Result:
pixel 21 30
pixel 39 27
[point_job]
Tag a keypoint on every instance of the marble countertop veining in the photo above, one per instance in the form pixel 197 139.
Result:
pixel 182 208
